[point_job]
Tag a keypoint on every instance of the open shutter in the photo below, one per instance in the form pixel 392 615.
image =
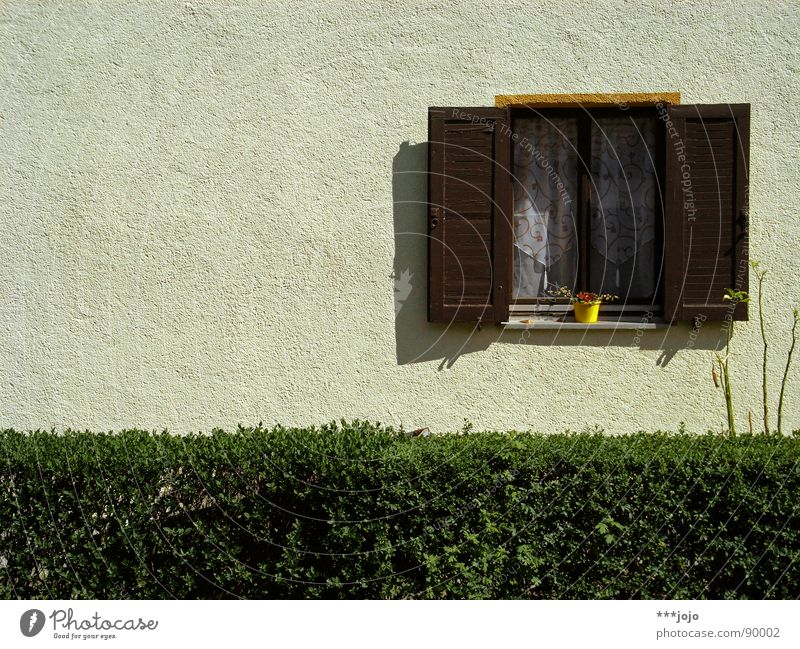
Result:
pixel 706 210
pixel 469 214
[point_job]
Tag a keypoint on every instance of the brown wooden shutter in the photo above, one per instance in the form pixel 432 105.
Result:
pixel 706 210
pixel 469 215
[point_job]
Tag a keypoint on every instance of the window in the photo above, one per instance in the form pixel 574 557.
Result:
pixel 648 202
pixel 610 243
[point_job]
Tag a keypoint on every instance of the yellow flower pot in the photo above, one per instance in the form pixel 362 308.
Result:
pixel 586 312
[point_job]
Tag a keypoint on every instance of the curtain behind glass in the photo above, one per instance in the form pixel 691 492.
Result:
pixel 546 173
pixel 622 254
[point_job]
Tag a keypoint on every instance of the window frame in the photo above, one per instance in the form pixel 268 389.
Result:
pixel 585 117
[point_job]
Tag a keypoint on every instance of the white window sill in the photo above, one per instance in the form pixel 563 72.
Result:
pixel 568 322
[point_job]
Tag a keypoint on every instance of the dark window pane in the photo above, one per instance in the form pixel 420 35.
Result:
pixel 624 252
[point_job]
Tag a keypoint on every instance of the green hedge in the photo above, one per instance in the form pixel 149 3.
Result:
pixel 362 511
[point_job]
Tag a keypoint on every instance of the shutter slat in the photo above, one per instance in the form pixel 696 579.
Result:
pixel 706 210
pixel 469 219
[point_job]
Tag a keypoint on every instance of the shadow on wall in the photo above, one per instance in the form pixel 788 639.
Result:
pixel 417 340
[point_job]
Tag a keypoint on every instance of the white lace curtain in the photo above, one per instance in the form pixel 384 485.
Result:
pixel 623 217
pixel 545 168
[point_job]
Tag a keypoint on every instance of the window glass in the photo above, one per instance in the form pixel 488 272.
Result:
pixel 623 251
pixel 545 197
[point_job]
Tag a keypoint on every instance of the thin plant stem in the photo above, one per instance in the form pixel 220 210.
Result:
pixel 728 393
pixel 796 316
pixel 761 275
pixel 724 377
pixel 735 297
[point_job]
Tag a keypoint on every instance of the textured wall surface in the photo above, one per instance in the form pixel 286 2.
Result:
pixel 205 206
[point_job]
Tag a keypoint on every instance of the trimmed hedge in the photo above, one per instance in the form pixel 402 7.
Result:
pixel 362 511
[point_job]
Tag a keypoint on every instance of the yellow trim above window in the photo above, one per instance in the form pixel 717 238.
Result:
pixel 588 99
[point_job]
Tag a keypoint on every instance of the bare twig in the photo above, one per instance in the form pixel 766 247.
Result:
pixel 796 318
pixel 734 297
pixel 761 274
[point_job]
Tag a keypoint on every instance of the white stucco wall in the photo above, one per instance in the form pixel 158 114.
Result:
pixel 200 220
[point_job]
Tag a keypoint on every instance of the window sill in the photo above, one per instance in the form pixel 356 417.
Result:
pixel 605 324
